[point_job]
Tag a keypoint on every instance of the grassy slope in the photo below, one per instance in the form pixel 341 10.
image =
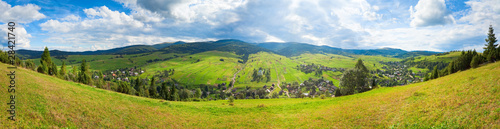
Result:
pixel 445 58
pixel 282 68
pixel 101 62
pixel 209 70
pixel 465 99
pixel 338 61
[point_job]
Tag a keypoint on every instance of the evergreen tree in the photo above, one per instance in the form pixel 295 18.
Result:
pixel 63 69
pixel 490 49
pixel 152 88
pixel 435 73
pixel 47 61
pixel 54 69
pixel 475 61
pixel 84 75
pixel 451 67
pixel 164 91
pixel 173 92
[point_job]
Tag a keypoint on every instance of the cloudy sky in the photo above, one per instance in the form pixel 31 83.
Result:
pixel 75 25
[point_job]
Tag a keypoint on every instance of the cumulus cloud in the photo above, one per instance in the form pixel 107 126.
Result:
pixel 430 13
pixel 22 37
pixel 20 14
pixel 338 23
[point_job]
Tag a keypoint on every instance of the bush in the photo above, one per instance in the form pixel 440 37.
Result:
pixel 337 92
pixel 323 96
pixel 231 101
pixel 257 97
pixel 275 95
pixel 261 106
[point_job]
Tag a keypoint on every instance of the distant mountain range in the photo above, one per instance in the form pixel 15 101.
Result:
pixel 231 45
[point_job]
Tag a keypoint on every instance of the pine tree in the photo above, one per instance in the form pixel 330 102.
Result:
pixel 54 69
pixel 475 61
pixel 164 91
pixel 152 88
pixel 174 96
pixel 451 67
pixel 46 61
pixel 490 49
pixel 435 73
pixel 84 75
pixel 63 69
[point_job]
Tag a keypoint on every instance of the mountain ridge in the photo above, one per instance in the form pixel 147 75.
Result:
pixel 287 49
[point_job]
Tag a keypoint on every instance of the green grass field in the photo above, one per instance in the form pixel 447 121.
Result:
pixel 209 70
pixel 102 62
pixel 433 58
pixel 339 61
pixel 467 99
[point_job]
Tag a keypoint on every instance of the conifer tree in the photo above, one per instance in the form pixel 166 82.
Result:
pixel 435 73
pixel 475 61
pixel 490 51
pixel 152 88
pixel 63 69
pixel 54 69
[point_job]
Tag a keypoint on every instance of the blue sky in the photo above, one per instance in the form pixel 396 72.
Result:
pixel 436 25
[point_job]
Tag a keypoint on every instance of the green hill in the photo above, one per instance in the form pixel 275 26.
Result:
pixel 467 99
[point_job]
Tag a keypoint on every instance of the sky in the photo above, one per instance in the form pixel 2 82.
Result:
pixel 82 25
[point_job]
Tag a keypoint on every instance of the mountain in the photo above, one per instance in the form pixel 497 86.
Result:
pixel 467 99
pixel 133 49
pixel 415 54
pixel 295 49
pixel 166 44
pixel 229 45
pixel 381 51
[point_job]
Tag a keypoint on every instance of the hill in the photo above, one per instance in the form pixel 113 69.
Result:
pixel 134 49
pixel 295 49
pixel 467 99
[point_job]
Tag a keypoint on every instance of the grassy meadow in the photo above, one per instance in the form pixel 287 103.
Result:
pixel 467 99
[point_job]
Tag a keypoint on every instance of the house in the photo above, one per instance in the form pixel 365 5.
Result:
pixel 306 94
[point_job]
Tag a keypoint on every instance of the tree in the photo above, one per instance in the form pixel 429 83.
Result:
pixel 355 80
pixel 361 66
pixel 197 94
pixel 47 61
pixel 475 61
pixel 84 75
pixel 435 73
pixel 490 49
pixel 164 91
pixel 231 101
pixel 173 92
pixel 63 69
pixel 152 88
pixel 54 69
pixel 451 67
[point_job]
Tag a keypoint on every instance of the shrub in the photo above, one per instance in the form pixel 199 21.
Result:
pixel 275 95
pixel 261 106
pixel 231 100
pixel 323 96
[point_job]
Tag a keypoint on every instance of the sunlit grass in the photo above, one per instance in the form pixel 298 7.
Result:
pixel 468 99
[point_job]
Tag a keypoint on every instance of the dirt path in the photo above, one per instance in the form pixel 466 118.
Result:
pixel 234 76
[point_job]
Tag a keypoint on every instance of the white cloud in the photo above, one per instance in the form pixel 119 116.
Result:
pixel 430 13
pixel 20 14
pixel 338 23
pixel 71 18
pixel 22 37
pixel 100 19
